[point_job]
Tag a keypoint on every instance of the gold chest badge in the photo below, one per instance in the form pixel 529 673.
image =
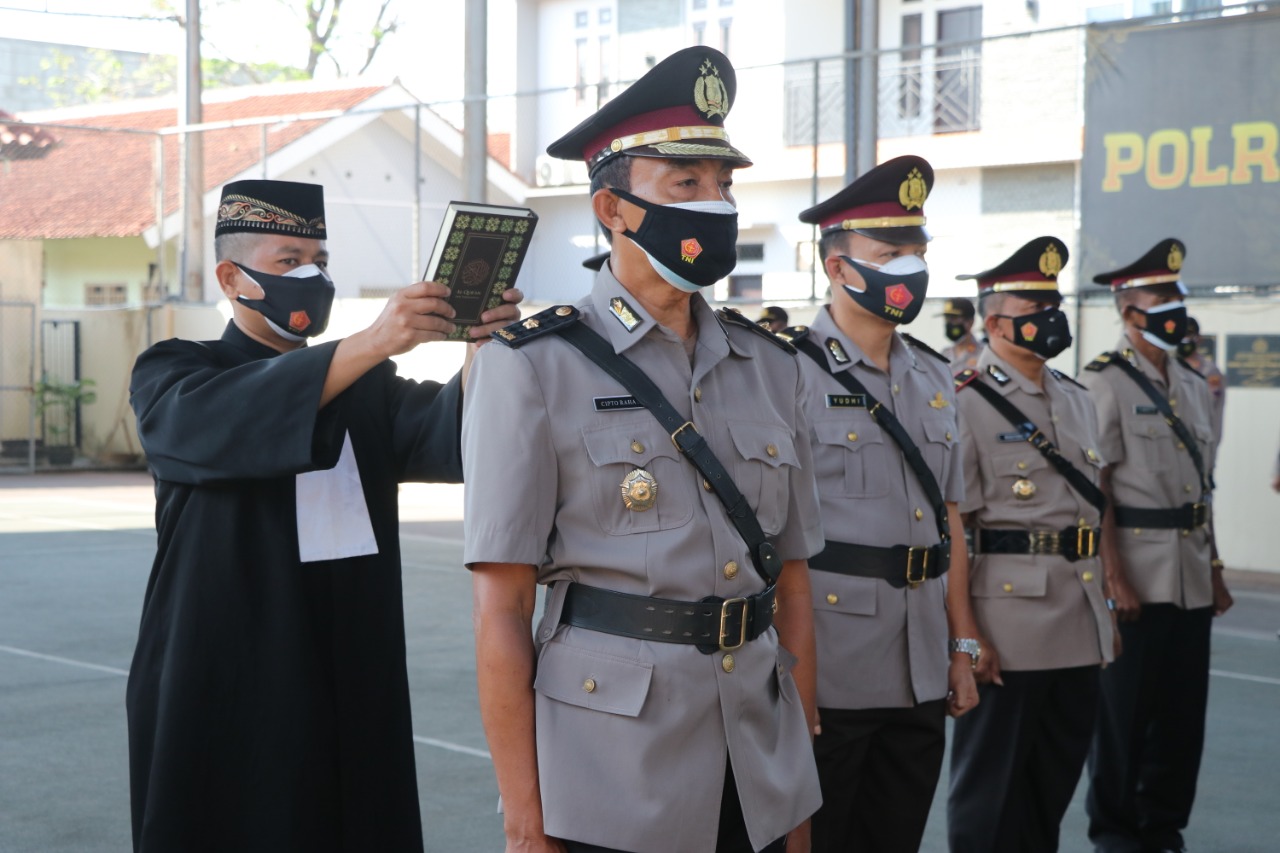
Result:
pixel 1024 489
pixel 709 94
pixel 1051 261
pixel 912 192
pixel 639 490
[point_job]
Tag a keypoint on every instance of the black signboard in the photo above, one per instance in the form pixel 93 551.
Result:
pixel 1182 140
pixel 1253 361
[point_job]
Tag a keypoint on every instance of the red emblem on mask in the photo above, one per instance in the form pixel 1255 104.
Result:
pixel 1169 326
pixel 690 249
pixel 1029 331
pixel 298 321
pixel 898 296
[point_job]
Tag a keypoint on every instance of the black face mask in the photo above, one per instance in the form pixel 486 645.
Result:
pixel 691 245
pixel 1046 333
pixel 1186 348
pixel 1166 325
pixel 955 330
pixel 296 306
pixel 895 291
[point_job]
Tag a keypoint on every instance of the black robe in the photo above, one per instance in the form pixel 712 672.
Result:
pixel 268 699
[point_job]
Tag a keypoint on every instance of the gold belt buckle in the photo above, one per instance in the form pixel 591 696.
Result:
pixel 914 582
pixel 1085 534
pixel 684 426
pixel 1199 514
pixel 724 619
pixel 1045 542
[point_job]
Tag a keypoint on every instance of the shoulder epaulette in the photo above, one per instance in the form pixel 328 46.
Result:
pixel 923 347
pixel 1188 366
pixel 964 377
pixel 521 332
pixel 794 334
pixel 1102 362
pixel 1058 374
pixel 734 317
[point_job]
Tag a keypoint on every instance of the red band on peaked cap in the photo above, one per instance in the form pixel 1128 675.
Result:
pixel 682 116
pixel 869 211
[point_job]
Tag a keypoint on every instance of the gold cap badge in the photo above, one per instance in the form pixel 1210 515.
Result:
pixel 1051 262
pixel 639 490
pixel 912 192
pixel 1175 257
pixel 709 94
pixel 1024 490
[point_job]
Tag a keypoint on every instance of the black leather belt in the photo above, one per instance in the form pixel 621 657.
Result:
pixel 1073 543
pixel 713 624
pixel 900 565
pixel 1185 517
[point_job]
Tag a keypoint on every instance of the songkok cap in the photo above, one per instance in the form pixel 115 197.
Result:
pixel 675 111
pixel 772 313
pixel 1031 272
pixel 595 262
pixel 885 204
pixel 272 207
pixel 1161 265
pixel 958 308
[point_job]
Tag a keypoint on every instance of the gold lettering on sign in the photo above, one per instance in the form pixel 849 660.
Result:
pixel 1171 158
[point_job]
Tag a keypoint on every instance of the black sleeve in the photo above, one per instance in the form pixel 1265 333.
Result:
pixel 201 420
pixel 426 424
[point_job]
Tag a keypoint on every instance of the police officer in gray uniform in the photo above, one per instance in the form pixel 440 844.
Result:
pixel 965 349
pixel 886 455
pixel 1030 439
pixel 660 707
pixel 1155 427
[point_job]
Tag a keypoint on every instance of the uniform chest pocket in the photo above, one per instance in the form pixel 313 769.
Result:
pixel 766 456
pixel 594 680
pixel 639 482
pixel 858 444
pixel 1148 440
pixel 1019 472
pixel 940 439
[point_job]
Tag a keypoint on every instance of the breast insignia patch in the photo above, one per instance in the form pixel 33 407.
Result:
pixel 837 351
pixel 998 375
pixel 624 313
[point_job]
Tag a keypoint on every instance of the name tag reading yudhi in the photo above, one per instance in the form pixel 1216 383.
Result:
pixel 846 401
pixel 616 404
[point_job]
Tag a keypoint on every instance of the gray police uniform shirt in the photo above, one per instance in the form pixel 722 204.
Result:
pixel 879 647
pixel 1038 610
pixel 964 353
pixel 637 761
pixel 1150 470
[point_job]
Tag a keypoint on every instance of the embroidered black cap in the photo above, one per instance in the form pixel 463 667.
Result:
pixel 958 308
pixel 676 110
pixel 773 314
pixel 272 207
pixel 1032 271
pixel 886 203
pixel 1161 265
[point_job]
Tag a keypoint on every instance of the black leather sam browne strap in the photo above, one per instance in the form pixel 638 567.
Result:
pixel 1033 436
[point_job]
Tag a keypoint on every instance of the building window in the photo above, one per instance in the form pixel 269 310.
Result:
pixel 746 287
pixel 750 252
pixel 725 25
pixel 606 15
pixel 726 2
pixel 606 67
pixel 699 32
pixel 957 77
pixel 105 294
pixel 580 19
pixel 580 75
pixel 699 4
pixel 910 82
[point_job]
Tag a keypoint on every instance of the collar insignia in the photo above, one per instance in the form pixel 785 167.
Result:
pixel 619 308
pixel 997 374
pixel 937 402
pixel 837 351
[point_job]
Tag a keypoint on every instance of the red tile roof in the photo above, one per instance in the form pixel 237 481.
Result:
pixel 101 183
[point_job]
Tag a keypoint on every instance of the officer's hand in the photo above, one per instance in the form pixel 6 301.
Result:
pixel 415 315
pixel 544 844
pixel 962 693
pixel 495 318
pixel 798 839
pixel 988 671
pixel 1222 600
pixel 1128 607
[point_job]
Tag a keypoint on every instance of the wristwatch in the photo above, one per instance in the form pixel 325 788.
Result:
pixel 970 647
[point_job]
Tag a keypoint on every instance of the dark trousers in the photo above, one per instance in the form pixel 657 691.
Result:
pixel 732 837
pixel 1145 756
pixel 1016 759
pixel 878 768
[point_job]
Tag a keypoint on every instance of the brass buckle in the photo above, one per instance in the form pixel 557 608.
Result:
pixel 1044 542
pixel 684 426
pixel 1086 542
pixel 914 582
pixel 724 619
pixel 1199 514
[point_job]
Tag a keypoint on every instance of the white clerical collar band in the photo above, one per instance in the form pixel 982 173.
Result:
pixel 875 222
pixel 1146 281
pixel 654 137
pixel 1021 284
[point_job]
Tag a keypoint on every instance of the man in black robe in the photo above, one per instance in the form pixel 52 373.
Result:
pixel 268 699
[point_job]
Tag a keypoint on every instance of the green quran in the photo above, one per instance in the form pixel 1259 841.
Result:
pixel 478 255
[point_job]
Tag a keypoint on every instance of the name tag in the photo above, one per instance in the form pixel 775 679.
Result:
pixel 1011 436
pixel 846 401
pixel 1145 410
pixel 616 404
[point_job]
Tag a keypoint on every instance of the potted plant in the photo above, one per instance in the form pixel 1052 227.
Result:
pixel 56 406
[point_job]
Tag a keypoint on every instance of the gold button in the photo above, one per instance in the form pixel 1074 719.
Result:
pixel 731 570
pixel 727 663
pixel 697 394
pixel 772 450
pixel 1083 522
pixel 1093 457
pixel 637 447
pixel 589 685
pixel 1022 466
pixel 853 436
pixel 1053 418
pixel 1186 533
pixel 1186 488
pixel 1008 587
pixel 1087 576
pixel 706 484
pixel 832 598
pixel 1137 530
pixel 895 388
pixel 531 323
pixel 1181 446
pixel 564 311
pixel 948 436
pixel 919 514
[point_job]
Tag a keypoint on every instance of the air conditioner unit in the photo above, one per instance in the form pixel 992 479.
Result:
pixel 552 172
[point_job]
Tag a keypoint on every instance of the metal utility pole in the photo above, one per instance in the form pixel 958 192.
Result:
pixel 475 154
pixel 192 161
pixel 862 86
